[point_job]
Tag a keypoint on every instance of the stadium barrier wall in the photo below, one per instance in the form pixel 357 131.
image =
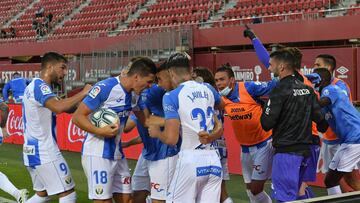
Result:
pixel 247 66
pixel 70 137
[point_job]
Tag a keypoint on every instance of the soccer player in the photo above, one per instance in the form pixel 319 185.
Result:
pixel 264 57
pixel 289 111
pixel 344 120
pixel 5 184
pixel 330 142
pixel 161 157
pixel 17 85
pixel 204 75
pixel 189 113
pixel 244 108
pixel 103 161
pixel 48 169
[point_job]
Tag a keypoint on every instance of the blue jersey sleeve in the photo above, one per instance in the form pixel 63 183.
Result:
pixel 343 87
pixel 216 94
pixel 143 99
pixel 261 52
pixel 258 89
pixel 331 93
pixel 171 106
pixel 97 95
pixel 42 92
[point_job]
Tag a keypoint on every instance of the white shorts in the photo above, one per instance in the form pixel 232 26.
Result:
pixel 256 164
pixel 54 177
pixel 225 168
pixel 346 158
pixel 327 153
pixel 197 177
pixel 141 179
pixel 106 177
pixel 161 173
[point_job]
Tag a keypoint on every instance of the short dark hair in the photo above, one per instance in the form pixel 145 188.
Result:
pixel 297 56
pixel 51 57
pixel 16 74
pixel 324 73
pixel 162 67
pixel 328 60
pixel 143 66
pixel 226 68
pixel 179 60
pixel 285 56
pixel 206 74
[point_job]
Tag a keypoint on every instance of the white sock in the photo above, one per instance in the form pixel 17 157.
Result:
pixel 249 194
pixel 148 199
pixel 8 187
pixel 334 190
pixel 70 198
pixel 37 199
pixel 262 197
pixel 228 200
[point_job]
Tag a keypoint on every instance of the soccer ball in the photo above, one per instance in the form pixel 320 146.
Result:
pixel 104 117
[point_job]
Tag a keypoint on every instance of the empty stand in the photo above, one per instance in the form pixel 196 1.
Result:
pixel 178 12
pixel 99 17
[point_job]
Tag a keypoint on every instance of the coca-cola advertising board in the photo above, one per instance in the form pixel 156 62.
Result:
pixel 70 137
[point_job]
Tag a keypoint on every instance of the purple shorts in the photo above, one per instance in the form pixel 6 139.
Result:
pixel 310 171
pixel 287 175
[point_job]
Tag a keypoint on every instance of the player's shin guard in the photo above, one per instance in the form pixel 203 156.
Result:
pixel 37 199
pixel 70 198
pixel 8 187
pixel 334 190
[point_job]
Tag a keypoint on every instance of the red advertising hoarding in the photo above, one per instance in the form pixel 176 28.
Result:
pixel 70 137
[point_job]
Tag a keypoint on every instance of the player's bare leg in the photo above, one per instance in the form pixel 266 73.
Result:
pixel 157 201
pixel 140 196
pixel 67 196
pixel 353 180
pixel 332 180
pixel 224 196
pixel 102 201
pixel 122 198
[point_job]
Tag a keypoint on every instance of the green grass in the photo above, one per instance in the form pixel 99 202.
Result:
pixel 11 165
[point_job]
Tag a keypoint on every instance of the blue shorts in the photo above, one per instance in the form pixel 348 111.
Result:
pixel 287 175
pixel 310 171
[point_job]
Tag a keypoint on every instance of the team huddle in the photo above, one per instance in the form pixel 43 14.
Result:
pixel 180 118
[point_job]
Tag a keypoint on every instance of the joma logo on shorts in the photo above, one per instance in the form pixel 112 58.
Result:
pixel 242 117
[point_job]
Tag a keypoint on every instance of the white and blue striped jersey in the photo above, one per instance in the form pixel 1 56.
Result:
pixel 193 104
pixel 110 94
pixel 40 145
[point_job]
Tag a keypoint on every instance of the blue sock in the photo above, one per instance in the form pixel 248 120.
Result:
pixel 309 193
pixel 302 197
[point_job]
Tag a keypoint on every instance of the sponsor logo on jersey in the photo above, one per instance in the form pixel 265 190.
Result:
pixel 45 89
pixel 94 92
pixel 208 170
pixel 236 110
pixel 247 116
pixel 300 92
pixel 29 150
pixel 99 190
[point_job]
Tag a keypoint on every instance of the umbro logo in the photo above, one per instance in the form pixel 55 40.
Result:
pixel 342 70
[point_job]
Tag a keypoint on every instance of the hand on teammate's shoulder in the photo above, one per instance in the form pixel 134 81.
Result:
pixel 204 137
pixel 86 89
pixel 154 130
